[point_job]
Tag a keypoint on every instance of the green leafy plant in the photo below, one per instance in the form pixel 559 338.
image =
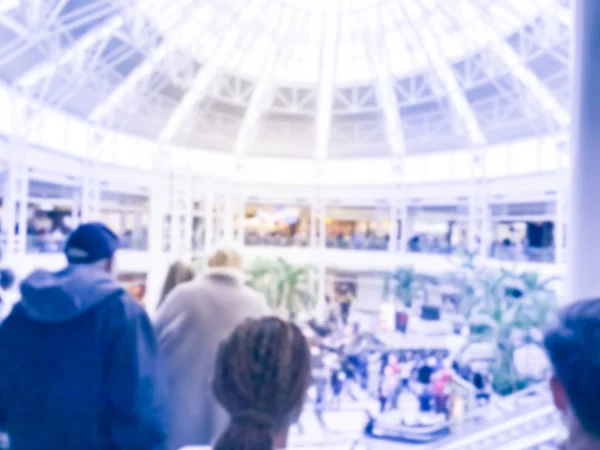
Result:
pixel 502 308
pixel 507 321
pixel 404 284
pixel 286 286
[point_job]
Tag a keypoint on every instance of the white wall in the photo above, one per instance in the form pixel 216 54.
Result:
pixel 369 293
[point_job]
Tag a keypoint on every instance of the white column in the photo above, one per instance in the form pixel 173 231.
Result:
pixel 321 293
pixel 137 232
pixel 159 190
pixel 227 216
pixel 188 222
pixel 241 219
pixel 172 238
pixel 180 207
pixel 486 220
pixel 209 217
pixel 313 222
pixel 317 244
pixel 90 198
pixel 393 231
pixel 472 228
pixel 322 243
pixel 401 207
pixel 584 209
pixel 477 204
pixel 560 225
pixel 405 227
pixel 15 201
pixel 77 209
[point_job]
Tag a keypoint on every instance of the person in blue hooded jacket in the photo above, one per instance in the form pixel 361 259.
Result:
pixel 78 358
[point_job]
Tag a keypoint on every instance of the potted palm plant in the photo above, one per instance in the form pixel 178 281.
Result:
pixel 403 286
pixel 507 323
pixel 285 285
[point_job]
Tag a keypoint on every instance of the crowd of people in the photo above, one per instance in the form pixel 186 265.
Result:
pixel 83 366
pixel 427 379
pixel 420 243
pixel 356 241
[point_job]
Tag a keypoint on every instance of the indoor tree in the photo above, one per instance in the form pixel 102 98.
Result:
pixel 404 284
pixel 507 321
pixel 285 285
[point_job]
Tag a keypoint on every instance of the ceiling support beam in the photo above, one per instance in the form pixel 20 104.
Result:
pixel 445 74
pixel 330 41
pixel 47 68
pixel 485 30
pixel 263 91
pixel 384 86
pixel 88 14
pixel 211 69
pixel 143 69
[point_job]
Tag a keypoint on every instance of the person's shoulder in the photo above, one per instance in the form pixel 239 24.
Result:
pixel 189 289
pixel 255 298
pixel 122 309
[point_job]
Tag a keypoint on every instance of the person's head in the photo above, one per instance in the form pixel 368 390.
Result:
pixel 572 346
pixel 92 244
pixel 178 273
pixel 225 257
pixel 261 377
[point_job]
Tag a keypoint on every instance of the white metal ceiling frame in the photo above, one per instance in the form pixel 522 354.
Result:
pixel 210 70
pixel 264 88
pixel 384 85
pixel 330 42
pixel 51 31
pixel 90 69
pixel 488 32
pixel 443 70
pixel 146 67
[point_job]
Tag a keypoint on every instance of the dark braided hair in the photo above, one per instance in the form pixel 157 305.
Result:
pixel 261 377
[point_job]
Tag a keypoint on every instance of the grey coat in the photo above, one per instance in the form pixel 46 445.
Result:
pixel 191 323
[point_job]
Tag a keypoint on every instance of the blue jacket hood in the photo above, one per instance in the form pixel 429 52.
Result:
pixel 64 295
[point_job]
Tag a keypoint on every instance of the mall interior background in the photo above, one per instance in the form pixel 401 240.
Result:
pixel 356 137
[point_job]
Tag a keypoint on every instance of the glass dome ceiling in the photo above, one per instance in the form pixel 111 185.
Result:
pixel 297 78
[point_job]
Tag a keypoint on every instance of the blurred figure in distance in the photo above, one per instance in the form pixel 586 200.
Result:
pixel 78 357
pixel 178 273
pixel 194 319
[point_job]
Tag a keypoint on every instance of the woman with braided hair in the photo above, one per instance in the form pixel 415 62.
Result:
pixel 261 378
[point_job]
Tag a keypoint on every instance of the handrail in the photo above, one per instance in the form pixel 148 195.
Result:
pixel 501 404
pixel 506 428
pixel 547 436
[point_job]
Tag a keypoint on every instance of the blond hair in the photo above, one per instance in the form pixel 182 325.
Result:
pixel 178 273
pixel 225 257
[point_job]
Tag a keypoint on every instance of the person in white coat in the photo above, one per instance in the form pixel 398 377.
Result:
pixel 193 320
